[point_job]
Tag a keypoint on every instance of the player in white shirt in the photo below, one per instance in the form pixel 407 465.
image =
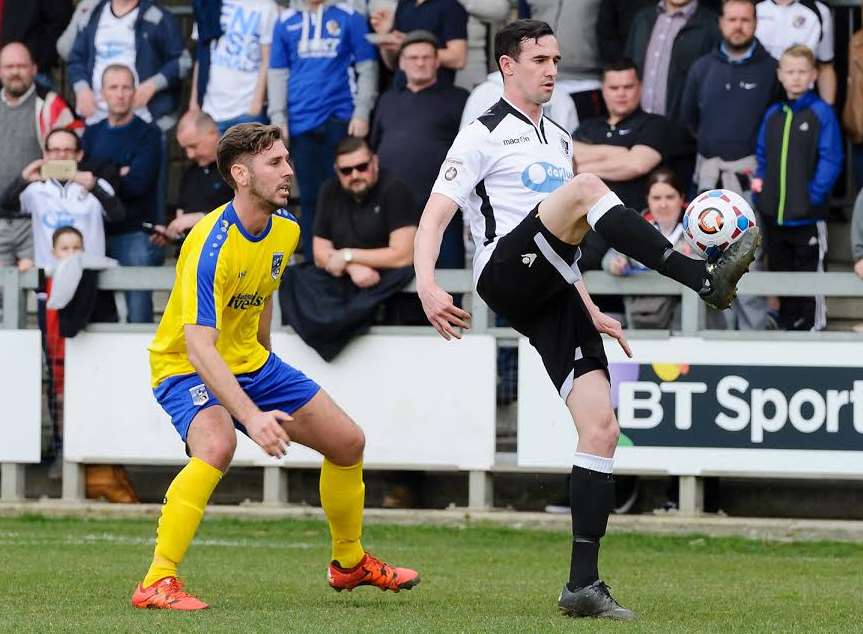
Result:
pixel 511 172
pixel 783 23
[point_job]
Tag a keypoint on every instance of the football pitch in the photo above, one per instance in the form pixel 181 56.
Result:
pixel 77 575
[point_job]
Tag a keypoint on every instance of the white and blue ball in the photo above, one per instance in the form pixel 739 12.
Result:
pixel 715 220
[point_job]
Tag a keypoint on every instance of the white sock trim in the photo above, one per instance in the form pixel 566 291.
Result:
pixel 594 463
pixel 602 205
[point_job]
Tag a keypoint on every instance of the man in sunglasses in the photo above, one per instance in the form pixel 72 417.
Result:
pixel 366 220
pixel 365 223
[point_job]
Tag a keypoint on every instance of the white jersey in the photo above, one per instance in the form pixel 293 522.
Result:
pixel 115 44
pixel 52 205
pixel 499 168
pixel 807 22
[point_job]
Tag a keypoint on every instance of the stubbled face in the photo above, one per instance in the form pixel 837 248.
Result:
pixel 737 25
pixel 268 176
pixel 621 91
pixel 67 245
pixel 17 69
pixel 357 171
pixel 534 72
pixel 664 203
pixel 118 90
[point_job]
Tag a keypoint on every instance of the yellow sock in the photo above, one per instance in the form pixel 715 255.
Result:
pixel 342 498
pixel 184 507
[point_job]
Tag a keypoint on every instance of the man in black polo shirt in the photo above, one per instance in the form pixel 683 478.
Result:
pixel 623 148
pixel 366 219
pixel 365 223
pixel 201 188
pixel 414 127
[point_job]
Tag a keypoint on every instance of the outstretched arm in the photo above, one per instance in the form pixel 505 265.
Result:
pixel 438 305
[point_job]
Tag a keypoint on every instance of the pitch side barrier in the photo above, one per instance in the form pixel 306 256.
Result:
pixel 693 403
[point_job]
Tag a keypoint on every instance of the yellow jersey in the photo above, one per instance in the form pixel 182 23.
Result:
pixel 224 277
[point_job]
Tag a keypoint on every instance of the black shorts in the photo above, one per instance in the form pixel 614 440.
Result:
pixel 529 280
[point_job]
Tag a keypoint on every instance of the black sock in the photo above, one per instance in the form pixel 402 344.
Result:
pixel 591 496
pixel 584 565
pixel 632 235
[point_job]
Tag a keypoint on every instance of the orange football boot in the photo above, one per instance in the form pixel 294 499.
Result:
pixel 166 594
pixel 371 571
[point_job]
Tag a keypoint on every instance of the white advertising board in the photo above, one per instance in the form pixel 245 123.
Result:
pixel 422 402
pixel 21 395
pixel 688 406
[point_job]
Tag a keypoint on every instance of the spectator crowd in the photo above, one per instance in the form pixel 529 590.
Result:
pixel 664 99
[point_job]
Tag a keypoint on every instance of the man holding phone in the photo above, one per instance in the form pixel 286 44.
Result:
pixel 202 187
pixel 59 190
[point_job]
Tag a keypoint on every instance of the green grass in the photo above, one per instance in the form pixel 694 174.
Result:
pixel 77 575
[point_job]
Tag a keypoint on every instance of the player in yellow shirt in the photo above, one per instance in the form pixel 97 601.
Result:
pixel 213 371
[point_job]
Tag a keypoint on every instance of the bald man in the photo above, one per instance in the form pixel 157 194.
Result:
pixel 26 116
pixel 201 188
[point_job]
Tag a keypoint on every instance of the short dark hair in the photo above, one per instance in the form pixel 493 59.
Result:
pixel 665 175
pixel 66 131
pixel 508 40
pixel 59 233
pixel 351 144
pixel 749 2
pixel 620 64
pixel 242 140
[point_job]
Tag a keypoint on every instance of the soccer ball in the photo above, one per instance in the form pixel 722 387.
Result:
pixel 715 220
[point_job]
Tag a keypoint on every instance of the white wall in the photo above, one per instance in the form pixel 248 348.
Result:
pixel 421 401
pixel 20 395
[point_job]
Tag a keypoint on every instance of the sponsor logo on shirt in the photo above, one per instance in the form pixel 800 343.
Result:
pixel 242 301
pixel 239 48
pixel 277 264
pixel 748 85
pixel 564 145
pixel 199 395
pixel 516 141
pixel 544 177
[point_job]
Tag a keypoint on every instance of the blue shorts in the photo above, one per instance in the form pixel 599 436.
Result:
pixel 276 385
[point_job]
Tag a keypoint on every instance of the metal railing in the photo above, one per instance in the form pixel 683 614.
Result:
pixel 16 286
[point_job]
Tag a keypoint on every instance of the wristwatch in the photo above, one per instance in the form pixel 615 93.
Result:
pixel 347 254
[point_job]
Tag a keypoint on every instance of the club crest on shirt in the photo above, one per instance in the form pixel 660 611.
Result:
pixel 333 27
pixel 199 395
pixel 798 21
pixel 277 264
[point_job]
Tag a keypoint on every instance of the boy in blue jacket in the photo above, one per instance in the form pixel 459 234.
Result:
pixel 799 155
